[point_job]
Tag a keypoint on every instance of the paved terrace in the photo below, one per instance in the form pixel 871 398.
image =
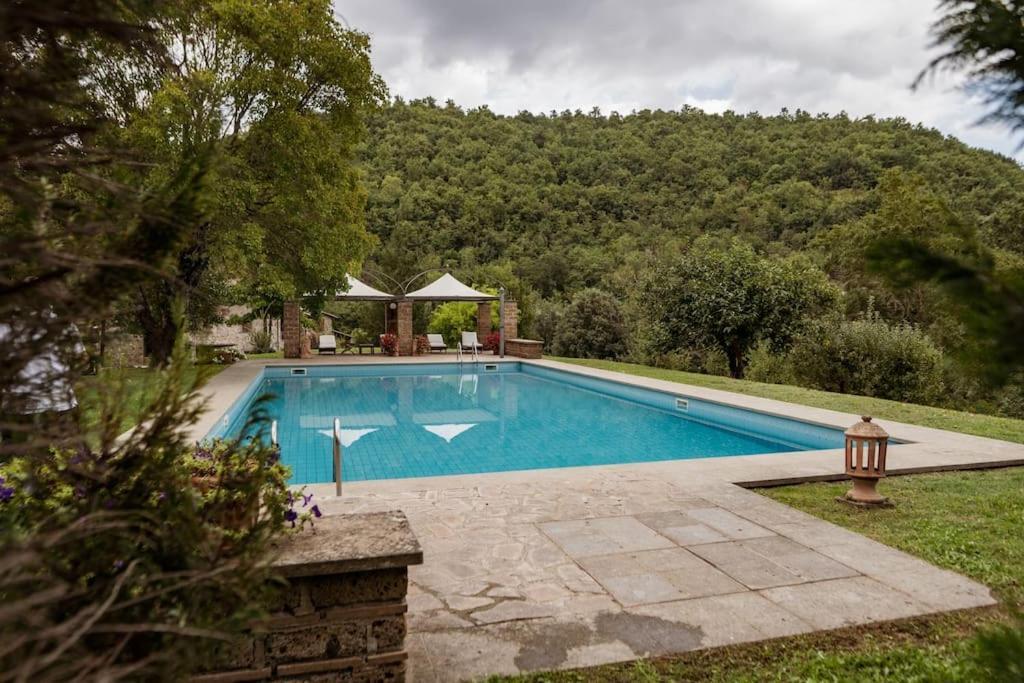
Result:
pixel 581 566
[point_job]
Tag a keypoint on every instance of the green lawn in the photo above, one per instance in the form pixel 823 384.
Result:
pixel 136 386
pixel 1003 428
pixel 969 522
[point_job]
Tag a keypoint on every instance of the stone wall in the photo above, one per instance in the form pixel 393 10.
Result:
pixel 511 324
pixel 483 320
pixel 342 616
pixel 239 335
pixel 291 331
pixel 524 348
pixel 406 343
pixel 124 351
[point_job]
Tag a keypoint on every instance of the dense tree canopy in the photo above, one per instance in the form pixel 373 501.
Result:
pixel 730 299
pixel 275 90
pixel 569 199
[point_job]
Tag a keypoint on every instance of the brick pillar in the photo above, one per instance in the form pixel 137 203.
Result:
pixel 291 330
pixel 405 339
pixel 511 320
pixel 483 320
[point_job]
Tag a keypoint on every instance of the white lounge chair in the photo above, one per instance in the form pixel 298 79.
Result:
pixel 470 341
pixel 327 343
pixel 436 342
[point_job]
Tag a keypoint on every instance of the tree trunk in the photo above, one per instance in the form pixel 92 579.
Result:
pixel 156 315
pixel 158 323
pixel 737 362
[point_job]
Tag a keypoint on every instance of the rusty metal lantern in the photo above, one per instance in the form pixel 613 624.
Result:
pixel 866 444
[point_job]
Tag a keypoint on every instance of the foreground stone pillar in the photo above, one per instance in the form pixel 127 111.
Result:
pixel 291 330
pixel 511 320
pixel 405 337
pixel 342 615
pixel 483 320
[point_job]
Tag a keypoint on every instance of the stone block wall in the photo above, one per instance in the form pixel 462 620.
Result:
pixel 406 343
pixel 342 616
pixel 124 351
pixel 239 335
pixel 483 320
pixel 291 330
pixel 511 320
pixel 524 348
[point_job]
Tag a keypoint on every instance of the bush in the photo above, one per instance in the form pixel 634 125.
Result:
pixel 492 342
pixel 450 320
pixel 592 326
pixel 262 341
pixel 870 357
pixel 545 323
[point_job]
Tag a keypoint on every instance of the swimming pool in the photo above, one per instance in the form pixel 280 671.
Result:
pixel 419 420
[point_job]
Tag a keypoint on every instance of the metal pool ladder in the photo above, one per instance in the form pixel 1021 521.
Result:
pixel 459 354
pixel 336 438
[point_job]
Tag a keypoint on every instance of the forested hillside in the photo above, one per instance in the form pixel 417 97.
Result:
pixel 566 198
pixel 556 205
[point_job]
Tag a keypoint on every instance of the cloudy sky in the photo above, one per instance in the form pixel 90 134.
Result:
pixel 858 56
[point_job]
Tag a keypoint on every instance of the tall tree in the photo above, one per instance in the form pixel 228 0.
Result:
pixel 111 566
pixel 984 39
pixel 730 299
pixel 277 89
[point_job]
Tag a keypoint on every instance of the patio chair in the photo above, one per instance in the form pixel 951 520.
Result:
pixel 436 342
pixel 470 342
pixel 327 343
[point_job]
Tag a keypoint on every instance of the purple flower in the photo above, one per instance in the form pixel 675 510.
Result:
pixel 118 565
pixel 291 516
pixel 316 511
pixel 203 453
pixel 6 492
pixel 306 499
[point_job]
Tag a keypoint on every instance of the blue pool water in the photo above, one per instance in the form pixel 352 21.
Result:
pixel 420 420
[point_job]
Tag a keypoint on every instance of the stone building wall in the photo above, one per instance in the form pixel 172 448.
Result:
pixel 236 334
pixel 342 616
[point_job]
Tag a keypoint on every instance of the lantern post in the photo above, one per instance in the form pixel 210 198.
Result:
pixel 866 445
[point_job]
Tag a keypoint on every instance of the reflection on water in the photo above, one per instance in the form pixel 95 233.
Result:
pixel 414 426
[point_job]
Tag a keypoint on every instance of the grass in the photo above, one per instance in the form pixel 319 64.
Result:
pixel 969 522
pixel 1004 428
pixel 136 385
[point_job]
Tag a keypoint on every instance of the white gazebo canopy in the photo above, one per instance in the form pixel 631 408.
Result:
pixel 447 288
pixel 360 291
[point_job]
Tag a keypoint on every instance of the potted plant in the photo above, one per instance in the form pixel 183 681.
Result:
pixel 389 344
pixel 422 344
pixel 237 481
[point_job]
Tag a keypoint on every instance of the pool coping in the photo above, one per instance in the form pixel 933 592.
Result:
pixel 925 449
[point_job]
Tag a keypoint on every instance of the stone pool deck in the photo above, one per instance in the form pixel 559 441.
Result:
pixel 581 566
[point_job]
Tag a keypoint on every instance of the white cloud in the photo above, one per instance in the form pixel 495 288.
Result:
pixel 745 55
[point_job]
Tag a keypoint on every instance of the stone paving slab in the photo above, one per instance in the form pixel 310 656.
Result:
pixel 597 566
